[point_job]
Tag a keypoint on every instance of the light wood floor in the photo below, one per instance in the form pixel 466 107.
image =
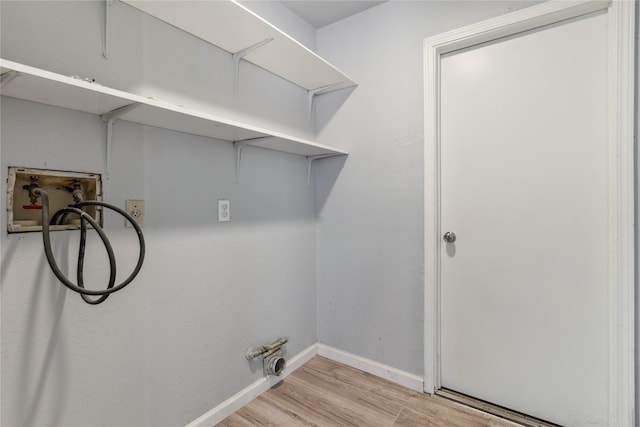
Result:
pixel 327 393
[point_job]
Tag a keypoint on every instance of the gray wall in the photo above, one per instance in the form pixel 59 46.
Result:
pixel 637 345
pixel 283 18
pixel 370 246
pixel 170 346
pixel 370 226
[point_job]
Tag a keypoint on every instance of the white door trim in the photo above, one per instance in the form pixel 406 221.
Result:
pixel 621 161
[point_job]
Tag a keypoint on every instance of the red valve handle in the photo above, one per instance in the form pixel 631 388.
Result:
pixel 31 206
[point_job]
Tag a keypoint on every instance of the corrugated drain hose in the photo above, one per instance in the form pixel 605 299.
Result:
pixel 84 218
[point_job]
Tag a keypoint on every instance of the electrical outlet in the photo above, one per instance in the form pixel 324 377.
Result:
pixel 135 208
pixel 224 210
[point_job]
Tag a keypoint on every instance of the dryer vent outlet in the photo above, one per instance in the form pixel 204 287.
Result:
pixel 274 363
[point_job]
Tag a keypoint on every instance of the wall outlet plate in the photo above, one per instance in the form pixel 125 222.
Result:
pixel 224 210
pixel 135 208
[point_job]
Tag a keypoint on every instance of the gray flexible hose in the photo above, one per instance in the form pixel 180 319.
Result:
pixel 84 217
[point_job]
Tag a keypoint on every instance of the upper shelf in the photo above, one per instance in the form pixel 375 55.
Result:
pixel 234 28
pixel 33 84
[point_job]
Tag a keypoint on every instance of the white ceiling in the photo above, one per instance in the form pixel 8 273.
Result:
pixel 320 13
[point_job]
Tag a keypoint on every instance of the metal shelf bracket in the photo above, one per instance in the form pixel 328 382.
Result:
pixel 110 118
pixel 241 54
pixel 238 146
pixel 312 93
pixel 6 78
pixel 105 35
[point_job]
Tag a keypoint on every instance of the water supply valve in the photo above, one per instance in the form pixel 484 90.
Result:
pixel 32 195
pixel 76 191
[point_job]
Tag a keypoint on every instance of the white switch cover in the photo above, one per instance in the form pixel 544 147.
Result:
pixel 135 208
pixel 224 210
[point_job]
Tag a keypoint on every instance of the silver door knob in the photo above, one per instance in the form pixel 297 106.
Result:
pixel 449 237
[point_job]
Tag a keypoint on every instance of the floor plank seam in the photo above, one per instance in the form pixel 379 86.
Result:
pixel 325 393
pixel 393 423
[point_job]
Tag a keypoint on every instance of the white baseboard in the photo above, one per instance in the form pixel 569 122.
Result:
pixel 403 378
pixel 246 395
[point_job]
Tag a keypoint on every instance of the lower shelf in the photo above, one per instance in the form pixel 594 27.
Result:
pixel 33 84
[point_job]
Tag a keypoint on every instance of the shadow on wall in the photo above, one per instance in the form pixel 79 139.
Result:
pixel 327 172
pixel 332 102
pixel 271 186
pixel 40 350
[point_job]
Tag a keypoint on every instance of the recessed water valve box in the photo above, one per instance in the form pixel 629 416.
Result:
pixel 24 206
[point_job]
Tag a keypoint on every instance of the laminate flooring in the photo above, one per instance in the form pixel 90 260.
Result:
pixel 326 393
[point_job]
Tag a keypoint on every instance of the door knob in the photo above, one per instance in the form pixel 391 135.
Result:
pixel 449 237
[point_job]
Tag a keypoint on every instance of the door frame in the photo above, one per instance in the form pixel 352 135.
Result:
pixel 621 175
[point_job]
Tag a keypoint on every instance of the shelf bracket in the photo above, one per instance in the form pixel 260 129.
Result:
pixel 310 160
pixel 241 54
pixel 105 35
pixel 312 93
pixel 6 78
pixel 110 118
pixel 239 145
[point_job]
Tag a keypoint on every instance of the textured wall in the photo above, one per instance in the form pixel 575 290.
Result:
pixel 637 213
pixel 287 21
pixel 170 346
pixel 370 225
pixel 150 58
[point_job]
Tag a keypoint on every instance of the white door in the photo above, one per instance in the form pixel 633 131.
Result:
pixel 525 189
